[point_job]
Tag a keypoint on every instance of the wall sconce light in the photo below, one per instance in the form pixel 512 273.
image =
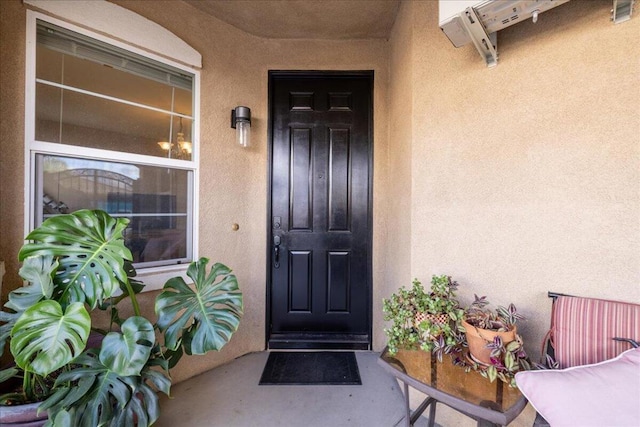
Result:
pixel 241 122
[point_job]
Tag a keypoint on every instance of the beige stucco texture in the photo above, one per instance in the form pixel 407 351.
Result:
pixel 514 180
pixel 526 177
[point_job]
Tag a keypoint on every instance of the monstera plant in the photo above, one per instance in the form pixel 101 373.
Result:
pixel 76 263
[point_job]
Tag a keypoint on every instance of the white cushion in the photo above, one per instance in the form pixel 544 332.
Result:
pixel 602 394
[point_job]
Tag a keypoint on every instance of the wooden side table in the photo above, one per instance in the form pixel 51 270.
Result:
pixel 467 392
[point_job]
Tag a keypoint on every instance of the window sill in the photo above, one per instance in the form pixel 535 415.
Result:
pixel 154 278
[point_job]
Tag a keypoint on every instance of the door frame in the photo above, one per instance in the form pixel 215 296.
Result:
pixel 314 74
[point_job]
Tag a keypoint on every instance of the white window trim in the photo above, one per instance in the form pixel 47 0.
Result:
pixel 153 277
pixel 116 22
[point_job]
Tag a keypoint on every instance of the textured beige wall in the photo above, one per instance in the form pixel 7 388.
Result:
pixel 515 180
pixel 12 39
pixel 526 176
pixel 397 212
pixel 233 181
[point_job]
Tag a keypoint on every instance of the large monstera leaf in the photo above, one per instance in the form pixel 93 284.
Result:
pixel 44 338
pixel 90 249
pixel 204 317
pixel 7 321
pixel 126 353
pixel 38 271
pixel 92 394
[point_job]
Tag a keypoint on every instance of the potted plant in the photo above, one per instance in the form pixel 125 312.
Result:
pixel 496 350
pixel 77 263
pixel 425 319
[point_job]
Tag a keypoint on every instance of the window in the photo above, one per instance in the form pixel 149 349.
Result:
pixel 113 129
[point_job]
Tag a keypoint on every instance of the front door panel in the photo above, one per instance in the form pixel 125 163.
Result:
pixel 320 269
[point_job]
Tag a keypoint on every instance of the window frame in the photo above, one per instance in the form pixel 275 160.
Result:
pixel 153 276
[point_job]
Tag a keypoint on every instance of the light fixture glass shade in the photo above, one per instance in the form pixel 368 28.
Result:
pixel 166 146
pixel 243 134
pixel 185 146
pixel 241 122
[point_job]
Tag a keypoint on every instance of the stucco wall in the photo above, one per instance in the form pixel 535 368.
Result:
pixel 526 176
pixel 12 36
pixel 233 181
pixel 514 180
pixel 397 225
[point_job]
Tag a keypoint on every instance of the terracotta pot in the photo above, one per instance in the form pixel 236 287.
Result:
pixel 22 415
pixel 478 338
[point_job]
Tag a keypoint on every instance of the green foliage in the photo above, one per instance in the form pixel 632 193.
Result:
pixel 404 307
pixel 39 272
pixel 509 315
pixel 506 359
pixel 401 310
pixel 92 394
pixel 502 319
pixel 79 259
pixel 204 318
pixel 91 252
pixel 45 338
pixel 442 299
pixel 440 338
pixel 7 321
pixel 126 353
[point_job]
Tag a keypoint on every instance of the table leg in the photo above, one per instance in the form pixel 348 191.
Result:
pixel 420 409
pixel 492 405
pixel 407 408
pixel 432 414
pixel 410 418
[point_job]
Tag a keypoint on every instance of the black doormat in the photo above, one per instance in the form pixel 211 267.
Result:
pixel 311 368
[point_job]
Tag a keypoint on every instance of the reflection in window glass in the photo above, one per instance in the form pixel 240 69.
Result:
pixel 92 94
pixel 74 118
pixel 57 67
pixel 106 121
pixel 154 199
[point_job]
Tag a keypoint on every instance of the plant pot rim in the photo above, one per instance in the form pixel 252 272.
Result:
pixel 468 325
pixel 21 413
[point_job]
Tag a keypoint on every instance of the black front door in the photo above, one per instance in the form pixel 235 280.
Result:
pixel 319 292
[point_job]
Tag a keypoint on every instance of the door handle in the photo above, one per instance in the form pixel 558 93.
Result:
pixel 276 251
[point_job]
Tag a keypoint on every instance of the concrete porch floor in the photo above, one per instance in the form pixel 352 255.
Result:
pixel 229 395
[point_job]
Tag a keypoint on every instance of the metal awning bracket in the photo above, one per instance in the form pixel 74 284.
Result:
pixel 486 44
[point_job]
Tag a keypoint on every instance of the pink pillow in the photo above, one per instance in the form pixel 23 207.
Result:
pixel 602 394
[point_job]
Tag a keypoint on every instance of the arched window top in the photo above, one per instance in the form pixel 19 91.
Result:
pixel 122 24
pixel 112 122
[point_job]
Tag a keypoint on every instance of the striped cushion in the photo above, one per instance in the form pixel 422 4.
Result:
pixel 583 329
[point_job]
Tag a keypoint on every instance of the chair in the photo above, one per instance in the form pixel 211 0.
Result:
pixel 585 332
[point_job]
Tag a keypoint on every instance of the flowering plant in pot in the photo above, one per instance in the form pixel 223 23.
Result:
pixel 77 263
pixel 427 320
pixel 496 350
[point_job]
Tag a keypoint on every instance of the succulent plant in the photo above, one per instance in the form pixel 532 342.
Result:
pixel 428 320
pixel 502 319
pixel 506 358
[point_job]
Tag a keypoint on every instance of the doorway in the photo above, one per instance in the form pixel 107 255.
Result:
pixel 319 283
